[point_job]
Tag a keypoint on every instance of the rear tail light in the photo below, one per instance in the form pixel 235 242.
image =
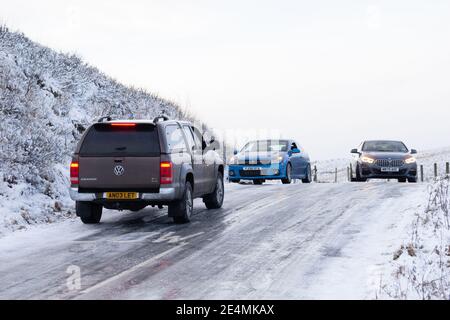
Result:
pixel 166 173
pixel 74 172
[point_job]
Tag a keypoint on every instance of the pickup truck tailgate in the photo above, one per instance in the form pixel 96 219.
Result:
pixel 115 156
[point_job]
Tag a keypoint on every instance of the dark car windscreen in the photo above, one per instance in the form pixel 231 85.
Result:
pixel 384 146
pixel 138 140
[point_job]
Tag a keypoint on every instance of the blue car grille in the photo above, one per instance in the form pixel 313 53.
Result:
pixel 249 173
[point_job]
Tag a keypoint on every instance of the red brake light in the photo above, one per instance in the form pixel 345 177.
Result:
pixel 74 172
pixel 166 172
pixel 126 124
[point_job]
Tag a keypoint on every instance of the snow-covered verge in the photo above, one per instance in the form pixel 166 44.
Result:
pixel 47 99
pixel 420 268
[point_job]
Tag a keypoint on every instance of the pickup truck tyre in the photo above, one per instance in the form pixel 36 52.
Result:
pixel 181 210
pixel 89 213
pixel 288 178
pixel 215 200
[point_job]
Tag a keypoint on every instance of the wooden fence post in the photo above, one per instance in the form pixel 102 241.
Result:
pixel 435 170
pixel 351 172
pixel 421 173
pixel 348 174
pixel 315 173
pixel 336 175
pixel 447 168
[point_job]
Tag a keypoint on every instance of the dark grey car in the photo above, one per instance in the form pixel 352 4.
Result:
pixel 384 159
pixel 128 165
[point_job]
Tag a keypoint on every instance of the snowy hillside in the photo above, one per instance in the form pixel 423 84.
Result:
pixel 46 101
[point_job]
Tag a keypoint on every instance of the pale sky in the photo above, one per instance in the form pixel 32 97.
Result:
pixel 327 73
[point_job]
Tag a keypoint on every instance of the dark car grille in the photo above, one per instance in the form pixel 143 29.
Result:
pixel 249 173
pixel 402 172
pixel 390 163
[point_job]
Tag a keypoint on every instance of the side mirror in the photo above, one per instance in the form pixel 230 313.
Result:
pixel 413 151
pixel 295 150
pixel 235 152
pixel 212 140
pixel 354 151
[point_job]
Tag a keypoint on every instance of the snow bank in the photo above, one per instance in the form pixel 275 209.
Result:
pixel 420 268
pixel 47 99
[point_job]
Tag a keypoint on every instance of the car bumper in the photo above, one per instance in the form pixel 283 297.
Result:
pixel 375 172
pixel 164 194
pixel 266 172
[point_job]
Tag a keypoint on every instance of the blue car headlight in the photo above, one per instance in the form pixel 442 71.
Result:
pixel 277 159
pixel 234 160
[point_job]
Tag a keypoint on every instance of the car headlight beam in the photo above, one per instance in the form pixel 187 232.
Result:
pixel 367 160
pixel 410 160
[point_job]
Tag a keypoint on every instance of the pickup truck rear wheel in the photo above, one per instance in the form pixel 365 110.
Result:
pixel 215 199
pixel 181 210
pixel 89 213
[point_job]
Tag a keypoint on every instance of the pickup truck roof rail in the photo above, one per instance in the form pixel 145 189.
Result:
pixel 103 119
pixel 158 118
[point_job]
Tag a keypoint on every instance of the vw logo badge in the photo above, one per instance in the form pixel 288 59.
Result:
pixel 119 170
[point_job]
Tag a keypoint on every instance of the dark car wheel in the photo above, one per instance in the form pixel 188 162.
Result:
pixel 402 180
pixel 235 180
pixel 89 213
pixel 358 175
pixel 215 199
pixel 258 182
pixel 308 177
pixel 412 180
pixel 181 210
pixel 288 178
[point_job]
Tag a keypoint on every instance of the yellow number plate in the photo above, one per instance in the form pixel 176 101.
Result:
pixel 122 195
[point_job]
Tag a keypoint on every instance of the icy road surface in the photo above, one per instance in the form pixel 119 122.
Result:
pixel 268 242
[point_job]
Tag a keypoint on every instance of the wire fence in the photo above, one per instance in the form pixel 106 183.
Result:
pixel 426 173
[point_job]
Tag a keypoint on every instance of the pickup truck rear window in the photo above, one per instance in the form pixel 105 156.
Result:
pixel 105 140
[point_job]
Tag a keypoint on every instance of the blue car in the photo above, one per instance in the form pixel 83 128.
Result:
pixel 270 160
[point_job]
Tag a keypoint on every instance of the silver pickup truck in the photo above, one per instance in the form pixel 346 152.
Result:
pixel 128 165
